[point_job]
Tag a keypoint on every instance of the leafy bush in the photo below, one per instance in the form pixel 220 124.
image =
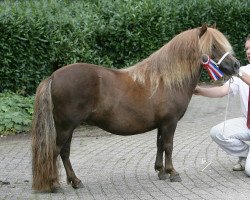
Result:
pixel 15 113
pixel 38 37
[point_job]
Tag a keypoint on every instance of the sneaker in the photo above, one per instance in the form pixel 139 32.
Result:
pixel 240 166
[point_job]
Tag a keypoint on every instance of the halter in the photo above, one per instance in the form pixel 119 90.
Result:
pixel 223 57
pixel 212 67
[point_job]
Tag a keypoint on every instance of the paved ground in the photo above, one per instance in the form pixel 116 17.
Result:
pixel 116 167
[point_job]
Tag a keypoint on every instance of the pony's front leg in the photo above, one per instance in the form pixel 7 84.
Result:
pixel 168 136
pixel 159 158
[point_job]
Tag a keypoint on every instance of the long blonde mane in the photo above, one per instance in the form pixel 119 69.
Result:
pixel 179 61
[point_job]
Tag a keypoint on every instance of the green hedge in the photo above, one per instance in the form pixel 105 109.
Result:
pixel 15 113
pixel 38 37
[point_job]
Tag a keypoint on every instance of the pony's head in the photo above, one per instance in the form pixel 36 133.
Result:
pixel 215 44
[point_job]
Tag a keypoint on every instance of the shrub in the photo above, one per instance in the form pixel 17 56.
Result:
pixel 15 113
pixel 38 37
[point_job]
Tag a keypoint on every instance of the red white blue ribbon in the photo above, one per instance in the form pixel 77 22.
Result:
pixel 212 68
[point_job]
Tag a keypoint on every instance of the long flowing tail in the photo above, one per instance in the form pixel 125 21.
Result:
pixel 44 166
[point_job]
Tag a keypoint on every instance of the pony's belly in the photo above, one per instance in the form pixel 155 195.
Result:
pixel 125 132
pixel 123 127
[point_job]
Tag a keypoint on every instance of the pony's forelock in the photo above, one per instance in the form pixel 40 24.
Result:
pixel 214 38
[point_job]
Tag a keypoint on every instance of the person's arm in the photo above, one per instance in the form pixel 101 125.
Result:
pixel 213 92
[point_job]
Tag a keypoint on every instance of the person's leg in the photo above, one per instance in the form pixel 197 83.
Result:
pixel 247 165
pixel 231 136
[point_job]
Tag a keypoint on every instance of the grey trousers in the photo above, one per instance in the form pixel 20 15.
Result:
pixel 231 136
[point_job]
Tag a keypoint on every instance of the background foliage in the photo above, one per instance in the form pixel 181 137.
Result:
pixel 15 113
pixel 38 37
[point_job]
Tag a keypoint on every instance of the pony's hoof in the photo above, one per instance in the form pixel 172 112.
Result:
pixel 57 190
pixel 162 175
pixel 78 185
pixel 175 178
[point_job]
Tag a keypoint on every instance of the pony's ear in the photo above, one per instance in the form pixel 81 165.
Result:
pixel 214 25
pixel 202 30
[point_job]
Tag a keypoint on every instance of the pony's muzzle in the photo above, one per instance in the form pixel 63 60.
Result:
pixel 234 70
pixel 237 67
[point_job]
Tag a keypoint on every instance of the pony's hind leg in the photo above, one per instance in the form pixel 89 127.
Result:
pixel 56 188
pixel 71 177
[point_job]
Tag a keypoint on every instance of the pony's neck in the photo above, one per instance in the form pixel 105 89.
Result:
pixel 175 65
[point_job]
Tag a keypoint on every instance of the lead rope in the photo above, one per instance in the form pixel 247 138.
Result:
pixel 228 98
pixel 225 118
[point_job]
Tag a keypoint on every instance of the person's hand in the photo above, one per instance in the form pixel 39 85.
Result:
pixel 197 90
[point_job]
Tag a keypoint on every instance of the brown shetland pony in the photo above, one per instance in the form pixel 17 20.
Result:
pixel 153 94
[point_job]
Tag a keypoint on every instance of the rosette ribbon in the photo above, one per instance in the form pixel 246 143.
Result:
pixel 212 68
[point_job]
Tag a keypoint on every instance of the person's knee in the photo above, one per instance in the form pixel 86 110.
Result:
pixel 215 133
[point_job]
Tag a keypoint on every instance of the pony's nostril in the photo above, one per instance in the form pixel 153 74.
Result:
pixel 236 67
pixel 237 64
